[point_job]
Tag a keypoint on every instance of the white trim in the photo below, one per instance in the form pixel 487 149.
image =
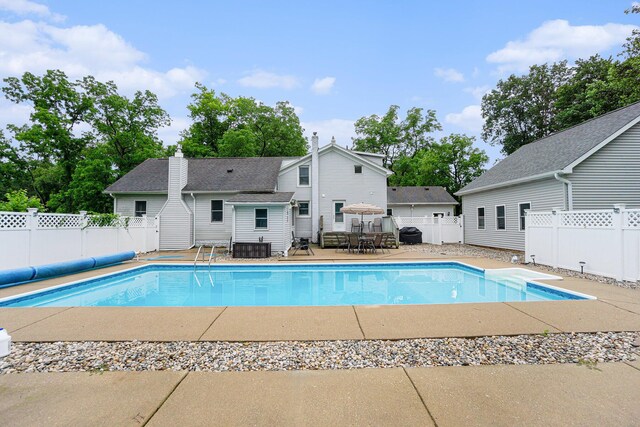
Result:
pixel 506 183
pixel 258 203
pixel 484 218
pixel 496 217
pixel 525 216
pixel 255 218
pixel 308 202
pixel 211 211
pixel 347 153
pixel 423 204
pixel 308 176
pixel 569 168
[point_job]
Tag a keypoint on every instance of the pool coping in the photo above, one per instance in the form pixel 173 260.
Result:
pixel 574 295
pixel 616 309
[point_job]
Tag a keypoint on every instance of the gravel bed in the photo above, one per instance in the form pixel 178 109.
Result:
pixel 459 250
pixel 92 356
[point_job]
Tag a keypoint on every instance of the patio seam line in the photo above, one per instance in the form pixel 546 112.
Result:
pixel 212 322
pixel 44 318
pixel 364 337
pixel 629 364
pixel 619 308
pixel 165 399
pixel 435 423
pixel 534 317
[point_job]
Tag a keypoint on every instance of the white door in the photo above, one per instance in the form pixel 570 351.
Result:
pixel 338 217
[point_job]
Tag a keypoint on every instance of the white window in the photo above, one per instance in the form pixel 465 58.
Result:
pixel 140 208
pixel 522 207
pixel 303 208
pixel 501 217
pixel 481 218
pixel 357 168
pixel 262 218
pixel 303 176
pixel 217 211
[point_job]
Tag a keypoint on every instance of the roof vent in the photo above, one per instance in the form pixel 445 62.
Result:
pixel 229 170
pixel 426 188
pixel 393 189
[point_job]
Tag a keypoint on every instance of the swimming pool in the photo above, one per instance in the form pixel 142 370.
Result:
pixel 165 285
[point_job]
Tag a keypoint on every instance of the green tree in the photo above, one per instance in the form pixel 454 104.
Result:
pixel 452 162
pixel 222 125
pixel 52 137
pixel 18 201
pixel 393 138
pixel 521 109
pixel 632 46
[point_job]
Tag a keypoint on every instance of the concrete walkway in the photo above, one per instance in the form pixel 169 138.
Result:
pixel 533 395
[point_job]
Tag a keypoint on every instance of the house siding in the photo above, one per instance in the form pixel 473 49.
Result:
pixel 420 210
pixel 288 181
pixel 176 231
pixel 543 195
pixel 611 175
pixel 204 228
pixel 245 226
pixel 339 182
pixel 125 204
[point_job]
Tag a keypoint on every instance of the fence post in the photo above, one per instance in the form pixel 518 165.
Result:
pixel 157 248
pixel 555 222
pixel 439 241
pixel 146 232
pixel 461 236
pixel 618 224
pixel 83 232
pixel 32 225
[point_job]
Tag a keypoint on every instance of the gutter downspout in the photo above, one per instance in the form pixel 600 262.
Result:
pixel 315 189
pixel 115 203
pixel 194 220
pixel 569 189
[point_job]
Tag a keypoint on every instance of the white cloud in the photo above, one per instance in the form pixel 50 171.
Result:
pixel 169 135
pixel 469 119
pixel 83 50
pixel 323 86
pixel 342 129
pixel 557 40
pixel 298 110
pixel 26 7
pixel 478 92
pixel 265 80
pixel 449 74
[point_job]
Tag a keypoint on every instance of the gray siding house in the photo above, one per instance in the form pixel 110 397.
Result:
pixel 593 165
pixel 420 201
pixel 245 199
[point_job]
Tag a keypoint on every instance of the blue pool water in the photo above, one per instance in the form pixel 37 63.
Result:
pixel 291 285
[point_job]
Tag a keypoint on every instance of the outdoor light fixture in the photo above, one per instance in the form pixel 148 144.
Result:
pixel 582 263
pixel 533 258
pixel 616 210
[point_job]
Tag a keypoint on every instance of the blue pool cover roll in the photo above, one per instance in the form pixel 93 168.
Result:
pixel 26 274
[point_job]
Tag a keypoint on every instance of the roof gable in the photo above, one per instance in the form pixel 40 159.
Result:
pixel 343 151
pixel 557 152
pixel 419 195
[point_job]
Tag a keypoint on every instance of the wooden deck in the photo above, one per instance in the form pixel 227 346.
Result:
pixel 330 239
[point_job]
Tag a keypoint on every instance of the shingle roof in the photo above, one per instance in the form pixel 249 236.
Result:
pixel 556 151
pixel 211 174
pixel 419 195
pixel 150 175
pixel 280 197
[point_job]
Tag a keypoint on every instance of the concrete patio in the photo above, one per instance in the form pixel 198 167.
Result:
pixel 482 395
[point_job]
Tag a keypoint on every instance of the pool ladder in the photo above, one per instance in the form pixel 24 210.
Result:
pixel 211 255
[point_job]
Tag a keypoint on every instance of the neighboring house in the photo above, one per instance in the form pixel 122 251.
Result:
pixel 246 199
pixel 593 165
pixel 420 201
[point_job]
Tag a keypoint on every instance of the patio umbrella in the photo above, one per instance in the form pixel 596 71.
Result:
pixel 362 209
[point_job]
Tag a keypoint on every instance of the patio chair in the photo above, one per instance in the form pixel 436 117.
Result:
pixel 356 227
pixel 354 242
pixel 377 225
pixel 378 242
pixel 301 244
pixel 343 242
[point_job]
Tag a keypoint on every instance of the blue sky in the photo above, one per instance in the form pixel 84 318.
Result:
pixel 335 61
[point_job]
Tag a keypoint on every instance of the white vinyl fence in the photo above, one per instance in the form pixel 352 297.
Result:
pixel 35 238
pixel 603 242
pixel 436 230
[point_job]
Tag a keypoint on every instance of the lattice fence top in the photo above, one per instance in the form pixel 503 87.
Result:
pixel 632 219
pixel 13 220
pixel 450 220
pixel 48 220
pixel 539 219
pixel 587 219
